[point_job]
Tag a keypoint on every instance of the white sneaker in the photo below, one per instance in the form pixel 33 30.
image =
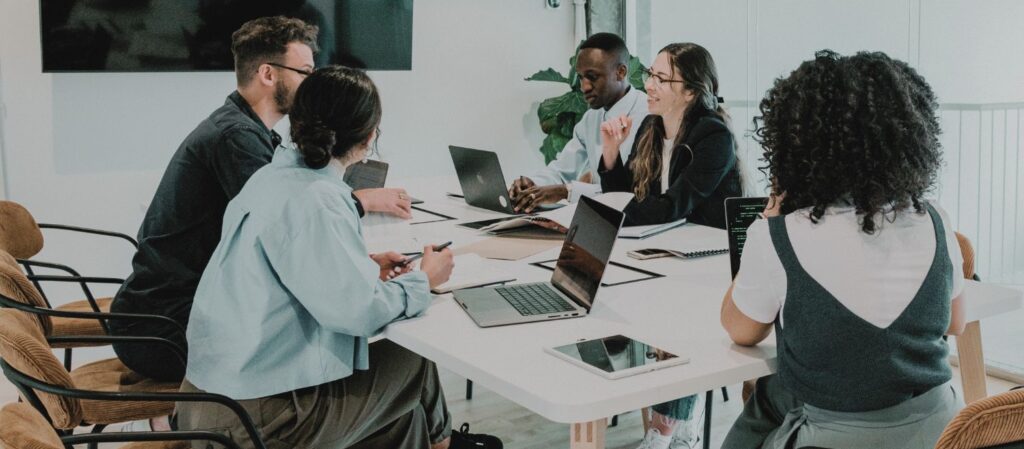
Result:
pixel 655 440
pixel 141 425
pixel 687 433
pixel 685 441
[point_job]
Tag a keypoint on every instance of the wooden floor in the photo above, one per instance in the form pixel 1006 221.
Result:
pixel 521 429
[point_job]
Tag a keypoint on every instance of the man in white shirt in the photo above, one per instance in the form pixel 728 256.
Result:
pixel 601 64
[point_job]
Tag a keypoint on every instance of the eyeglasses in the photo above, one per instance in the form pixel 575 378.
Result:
pixel 647 74
pixel 303 72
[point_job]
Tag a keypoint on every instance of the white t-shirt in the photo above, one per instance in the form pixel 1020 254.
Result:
pixel 874 276
pixel 666 159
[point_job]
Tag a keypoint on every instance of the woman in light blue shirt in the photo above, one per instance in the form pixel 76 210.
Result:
pixel 290 296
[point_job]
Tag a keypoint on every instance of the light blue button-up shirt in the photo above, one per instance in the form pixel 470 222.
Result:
pixel 290 295
pixel 583 152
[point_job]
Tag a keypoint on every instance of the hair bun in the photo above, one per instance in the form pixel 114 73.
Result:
pixel 315 141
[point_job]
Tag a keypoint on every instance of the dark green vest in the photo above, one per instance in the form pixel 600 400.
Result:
pixel 832 359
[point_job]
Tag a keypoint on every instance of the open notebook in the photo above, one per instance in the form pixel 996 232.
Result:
pixel 472 271
pixel 557 218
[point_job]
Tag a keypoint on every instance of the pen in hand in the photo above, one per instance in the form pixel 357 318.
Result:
pixel 412 259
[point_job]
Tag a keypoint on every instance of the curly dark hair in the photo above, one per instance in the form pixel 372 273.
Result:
pixel 861 129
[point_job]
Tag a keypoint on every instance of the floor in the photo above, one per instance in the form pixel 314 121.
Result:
pixel 520 429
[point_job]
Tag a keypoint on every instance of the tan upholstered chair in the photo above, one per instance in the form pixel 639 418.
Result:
pixel 996 421
pixel 967 250
pixel 97 394
pixel 22 238
pixel 16 291
pixel 22 427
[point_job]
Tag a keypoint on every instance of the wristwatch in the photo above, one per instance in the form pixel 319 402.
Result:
pixel 359 206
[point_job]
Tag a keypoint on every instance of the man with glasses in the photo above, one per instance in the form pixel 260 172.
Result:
pixel 601 64
pixel 273 55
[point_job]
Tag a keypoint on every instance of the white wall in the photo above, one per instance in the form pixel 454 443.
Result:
pixel 89 149
pixel 968 51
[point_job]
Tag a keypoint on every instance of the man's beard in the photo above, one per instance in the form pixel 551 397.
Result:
pixel 281 98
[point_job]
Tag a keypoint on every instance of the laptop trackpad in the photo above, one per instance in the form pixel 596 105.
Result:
pixel 481 300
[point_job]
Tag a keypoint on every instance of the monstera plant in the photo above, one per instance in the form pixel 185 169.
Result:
pixel 558 115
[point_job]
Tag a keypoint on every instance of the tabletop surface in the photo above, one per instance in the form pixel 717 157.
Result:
pixel 679 312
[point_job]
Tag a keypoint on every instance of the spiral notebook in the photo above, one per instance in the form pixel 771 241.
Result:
pixel 696 254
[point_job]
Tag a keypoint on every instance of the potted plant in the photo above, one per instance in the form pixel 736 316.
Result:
pixel 558 115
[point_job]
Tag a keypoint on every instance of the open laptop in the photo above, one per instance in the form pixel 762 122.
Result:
pixel 369 174
pixel 573 286
pixel 483 184
pixel 740 213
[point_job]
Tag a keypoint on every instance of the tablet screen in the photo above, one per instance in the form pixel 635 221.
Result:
pixel 615 353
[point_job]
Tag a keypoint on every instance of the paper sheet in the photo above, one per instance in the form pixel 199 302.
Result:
pixel 613 274
pixel 420 215
pixel 507 248
pixel 470 271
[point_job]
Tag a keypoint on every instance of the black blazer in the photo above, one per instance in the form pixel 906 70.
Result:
pixel 703 172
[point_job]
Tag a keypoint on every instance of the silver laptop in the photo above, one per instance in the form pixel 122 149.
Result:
pixel 573 286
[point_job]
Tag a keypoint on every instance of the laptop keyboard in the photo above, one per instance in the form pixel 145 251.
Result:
pixel 534 299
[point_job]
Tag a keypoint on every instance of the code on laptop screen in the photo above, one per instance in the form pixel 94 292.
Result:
pixel 739 214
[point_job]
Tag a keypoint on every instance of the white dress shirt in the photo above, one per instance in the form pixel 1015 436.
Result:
pixel 583 152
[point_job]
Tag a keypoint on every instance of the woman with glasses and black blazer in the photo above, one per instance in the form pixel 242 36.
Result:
pixel 683 163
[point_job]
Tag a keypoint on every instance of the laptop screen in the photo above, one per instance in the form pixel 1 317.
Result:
pixel 586 250
pixel 739 214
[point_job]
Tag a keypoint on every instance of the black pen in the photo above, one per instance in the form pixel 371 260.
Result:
pixel 412 259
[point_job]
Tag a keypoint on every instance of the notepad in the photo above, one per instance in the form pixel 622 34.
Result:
pixel 472 271
pixel 642 232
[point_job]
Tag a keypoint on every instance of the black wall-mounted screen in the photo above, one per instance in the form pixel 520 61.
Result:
pixel 195 35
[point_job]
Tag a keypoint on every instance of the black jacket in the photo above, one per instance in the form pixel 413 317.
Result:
pixel 703 172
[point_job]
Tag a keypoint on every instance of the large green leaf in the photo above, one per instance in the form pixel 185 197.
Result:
pixel 636 77
pixel 548 75
pixel 553 145
pixel 571 101
pixel 567 121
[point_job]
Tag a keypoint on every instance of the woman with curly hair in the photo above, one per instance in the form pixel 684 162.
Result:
pixel 854 269
pixel 683 161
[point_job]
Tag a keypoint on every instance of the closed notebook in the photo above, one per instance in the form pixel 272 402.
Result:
pixel 642 232
pixel 472 271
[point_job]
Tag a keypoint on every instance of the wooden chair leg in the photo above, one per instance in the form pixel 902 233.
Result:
pixel 588 435
pixel 972 362
pixel 645 417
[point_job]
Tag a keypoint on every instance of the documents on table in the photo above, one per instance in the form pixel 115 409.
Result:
pixel 471 271
pixel 421 215
pixel 614 274
pixel 642 232
pixel 508 248
pixel 551 219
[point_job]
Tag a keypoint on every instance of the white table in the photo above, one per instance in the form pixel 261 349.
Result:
pixel 679 312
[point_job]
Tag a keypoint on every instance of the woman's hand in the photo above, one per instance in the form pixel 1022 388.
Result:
pixel 437 265
pixel 613 133
pixel 390 265
pixel 386 200
pixel 774 207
